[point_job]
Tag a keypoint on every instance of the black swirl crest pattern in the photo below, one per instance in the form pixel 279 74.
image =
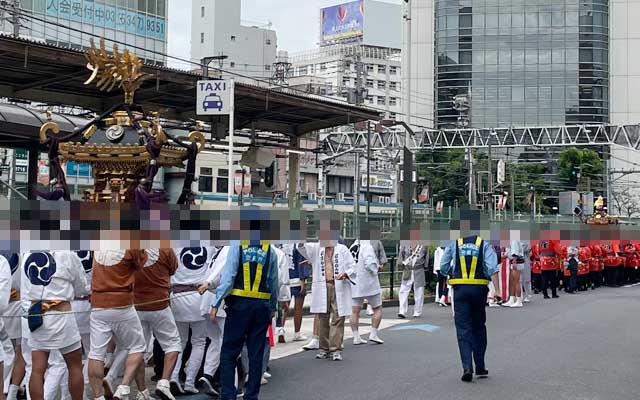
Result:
pixel 86 258
pixel 193 258
pixel 13 259
pixel 40 268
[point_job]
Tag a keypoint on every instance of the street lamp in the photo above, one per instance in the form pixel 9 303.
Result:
pixel 407 167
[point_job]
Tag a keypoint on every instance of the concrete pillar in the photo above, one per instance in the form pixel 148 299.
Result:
pixel 294 172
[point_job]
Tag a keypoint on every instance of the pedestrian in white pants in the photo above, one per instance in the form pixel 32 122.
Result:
pixel 413 261
pixel 192 272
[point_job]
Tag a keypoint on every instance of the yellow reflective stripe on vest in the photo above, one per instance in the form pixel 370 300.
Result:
pixel 256 282
pixel 474 262
pixel 249 291
pixel 466 280
pixel 482 282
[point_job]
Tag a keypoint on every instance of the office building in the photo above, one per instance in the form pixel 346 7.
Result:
pixel 217 31
pixel 72 23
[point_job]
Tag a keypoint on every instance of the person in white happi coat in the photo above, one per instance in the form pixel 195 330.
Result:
pixel 14 370
pixel 53 280
pixel 442 287
pixel 413 260
pixel 333 272
pixel 185 304
pixel 5 294
pixel 285 264
pixel 367 287
pixel 214 329
pixel 81 306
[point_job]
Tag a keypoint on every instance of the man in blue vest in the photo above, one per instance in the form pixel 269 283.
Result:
pixel 249 287
pixel 475 265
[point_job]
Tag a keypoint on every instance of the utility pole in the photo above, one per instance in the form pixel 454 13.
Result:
pixel 513 198
pixel 356 197
pixel 368 169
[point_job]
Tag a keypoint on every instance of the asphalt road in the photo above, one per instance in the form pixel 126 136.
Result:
pixel 578 347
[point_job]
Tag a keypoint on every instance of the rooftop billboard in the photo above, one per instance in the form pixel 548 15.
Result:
pixel 342 22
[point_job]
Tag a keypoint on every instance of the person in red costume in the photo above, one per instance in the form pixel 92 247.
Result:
pixel 611 262
pixel 549 251
pixel 584 255
pixel 595 266
pixel 536 270
pixel 631 264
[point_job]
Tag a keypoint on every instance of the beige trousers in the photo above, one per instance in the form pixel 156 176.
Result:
pixel 331 333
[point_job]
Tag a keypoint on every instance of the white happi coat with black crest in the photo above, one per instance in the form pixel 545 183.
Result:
pixel 193 263
pixel 342 262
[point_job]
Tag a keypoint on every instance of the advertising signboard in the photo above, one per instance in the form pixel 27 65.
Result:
pixel 342 22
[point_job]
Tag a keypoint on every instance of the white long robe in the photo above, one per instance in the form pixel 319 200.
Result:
pixel 367 282
pixel 342 262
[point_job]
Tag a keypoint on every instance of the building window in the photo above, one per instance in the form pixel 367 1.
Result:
pixel 346 81
pixel 267 67
pixel 205 180
pixel 268 42
pixel 393 70
pixel 202 12
pixel 222 181
pixel 233 38
pixel 370 83
pixel 382 84
pixel 382 100
pixel 232 64
pixel 323 67
pixel 369 68
pixel 202 37
pixel 382 69
pixel 393 101
pixel 393 86
pixel 370 99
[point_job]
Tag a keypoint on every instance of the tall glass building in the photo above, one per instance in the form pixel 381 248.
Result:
pixel 140 23
pixel 524 62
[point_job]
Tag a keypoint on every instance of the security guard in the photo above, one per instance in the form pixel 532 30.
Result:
pixel 249 287
pixel 470 297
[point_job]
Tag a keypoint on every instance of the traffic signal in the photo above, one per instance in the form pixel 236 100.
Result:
pixel 575 175
pixel 270 176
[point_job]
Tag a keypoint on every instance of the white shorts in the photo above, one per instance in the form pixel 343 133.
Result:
pixel 374 301
pixel 13 325
pixel 163 327
pixel 82 310
pixel 58 332
pixel 121 324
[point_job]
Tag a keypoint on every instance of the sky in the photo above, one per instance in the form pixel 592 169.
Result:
pixel 295 22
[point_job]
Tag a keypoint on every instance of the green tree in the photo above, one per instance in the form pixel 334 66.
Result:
pixel 525 177
pixel 586 161
pixel 446 173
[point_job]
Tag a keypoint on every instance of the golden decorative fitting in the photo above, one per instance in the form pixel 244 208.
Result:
pixel 118 70
pixel 122 118
pixel 197 136
pixel 89 132
pixel 48 126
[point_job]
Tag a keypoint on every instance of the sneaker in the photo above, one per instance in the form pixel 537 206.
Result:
pixel 527 299
pixel 263 381
pixel 493 304
pixel 107 385
pixel 417 315
pixel 190 389
pixel 323 355
pixel 122 393
pixel 375 340
pixel 280 333
pixel 163 390
pixel 336 356
pixel 207 383
pixel 357 340
pixel 240 394
pixel 517 304
pixel 482 372
pixel 369 312
pixel 266 375
pixel 299 337
pixel 176 388
pixel 314 344
pixel 555 296
pixel 402 316
pixel 144 395
pixel 511 301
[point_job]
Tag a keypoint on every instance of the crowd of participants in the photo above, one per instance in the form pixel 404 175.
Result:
pixel 97 318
